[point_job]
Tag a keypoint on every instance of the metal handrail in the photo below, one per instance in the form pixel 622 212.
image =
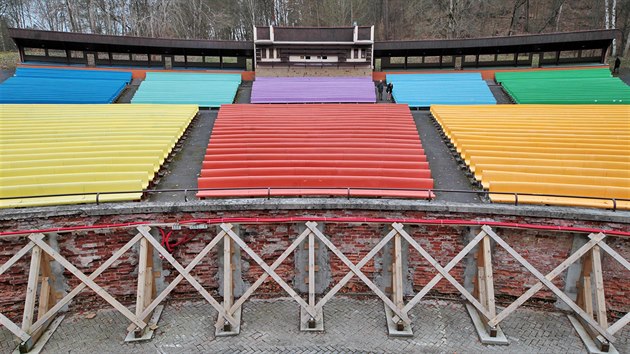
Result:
pixel 348 189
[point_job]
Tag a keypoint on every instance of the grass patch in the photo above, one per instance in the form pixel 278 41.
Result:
pixel 9 60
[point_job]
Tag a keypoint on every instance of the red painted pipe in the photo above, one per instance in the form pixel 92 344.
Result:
pixel 458 222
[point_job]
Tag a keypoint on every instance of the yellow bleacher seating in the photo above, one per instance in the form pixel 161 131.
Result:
pixel 76 149
pixel 568 150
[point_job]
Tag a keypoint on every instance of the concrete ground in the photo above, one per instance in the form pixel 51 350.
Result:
pixel 351 326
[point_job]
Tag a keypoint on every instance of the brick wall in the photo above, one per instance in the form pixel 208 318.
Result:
pixel 87 250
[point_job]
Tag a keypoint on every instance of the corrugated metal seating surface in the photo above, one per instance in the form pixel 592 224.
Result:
pixel 545 149
pixel 313 90
pixel 588 86
pixel 315 150
pixel 204 90
pixel 73 149
pixel 34 85
pixel 424 90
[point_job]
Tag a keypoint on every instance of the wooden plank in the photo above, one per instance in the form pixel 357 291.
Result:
pixel 360 265
pixel 448 268
pixel 275 265
pixel 611 252
pixel 228 297
pixel 548 283
pixel 158 299
pixel 311 270
pixel 15 329
pixel 16 257
pixel 142 277
pixel 31 289
pixel 442 271
pixel 619 324
pixel 398 284
pixel 359 274
pixel 46 271
pixel 588 296
pixel 271 272
pixel 44 298
pixel 481 282
pixel 89 282
pixel 599 287
pixel 195 284
pixel 488 276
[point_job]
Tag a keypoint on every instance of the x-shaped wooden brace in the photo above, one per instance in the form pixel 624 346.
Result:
pixel 265 275
pixel 86 281
pixel 546 281
pixel 10 325
pixel 356 270
pixel 443 271
pixel 184 273
pixel 270 270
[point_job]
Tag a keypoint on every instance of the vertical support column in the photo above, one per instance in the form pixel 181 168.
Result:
pixel 591 272
pixel 309 323
pixel 145 293
pixel 47 299
pixel 223 328
pixel 398 328
pixel 484 292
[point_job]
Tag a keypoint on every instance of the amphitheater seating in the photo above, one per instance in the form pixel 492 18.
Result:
pixel 566 150
pixel 75 149
pixel 330 149
pixel 588 86
pixel 424 90
pixel 204 90
pixel 313 90
pixel 45 85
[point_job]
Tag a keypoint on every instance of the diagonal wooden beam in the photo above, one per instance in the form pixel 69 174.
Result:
pixel 539 285
pixel 271 272
pixel 16 257
pixel 89 282
pixel 158 299
pixel 195 284
pixel 615 255
pixel 358 272
pixel 264 276
pixel 15 329
pixel 443 272
pixel 66 299
pixel 351 274
pixel 548 284
pixel 615 327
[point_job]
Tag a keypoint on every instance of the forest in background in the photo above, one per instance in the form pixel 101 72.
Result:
pixel 393 19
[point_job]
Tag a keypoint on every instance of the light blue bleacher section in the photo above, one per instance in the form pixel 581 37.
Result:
pixel 205 90
pixel 423 90
pixel 63 86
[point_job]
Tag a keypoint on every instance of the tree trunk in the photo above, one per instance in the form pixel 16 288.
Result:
pixel 613 22
pixel 558 18
pixel 607 18
pixel 627 47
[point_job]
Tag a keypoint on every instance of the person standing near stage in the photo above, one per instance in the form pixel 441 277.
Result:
pixel 617 65
pixel 390 92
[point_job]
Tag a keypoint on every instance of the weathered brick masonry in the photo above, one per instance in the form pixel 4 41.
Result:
pixel 87 250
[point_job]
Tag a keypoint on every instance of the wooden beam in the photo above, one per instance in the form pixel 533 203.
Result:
pixel 264 276
pixel 488 276
pixel 397 273
pixel 402 315
pixel 31 289
pixel 228 284
pixel 614 254
pixel 266 268
pixel 195 284
pixel 443 272
pixel 360 265
pixel 15 329
pixel 142 277
pixel 311 270
pixel 17 256
pixel 546 281
pixel 61 303
pixel 89 282
pixel 159 298
pixel 599 287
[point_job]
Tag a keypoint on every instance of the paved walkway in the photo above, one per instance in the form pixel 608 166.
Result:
pixel 351 326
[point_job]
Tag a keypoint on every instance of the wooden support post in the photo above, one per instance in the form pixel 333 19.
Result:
pixel 395 326
pixel 310 323
pixel 145 293
pixel 484 291
pixel 31 289
pixel 223 327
